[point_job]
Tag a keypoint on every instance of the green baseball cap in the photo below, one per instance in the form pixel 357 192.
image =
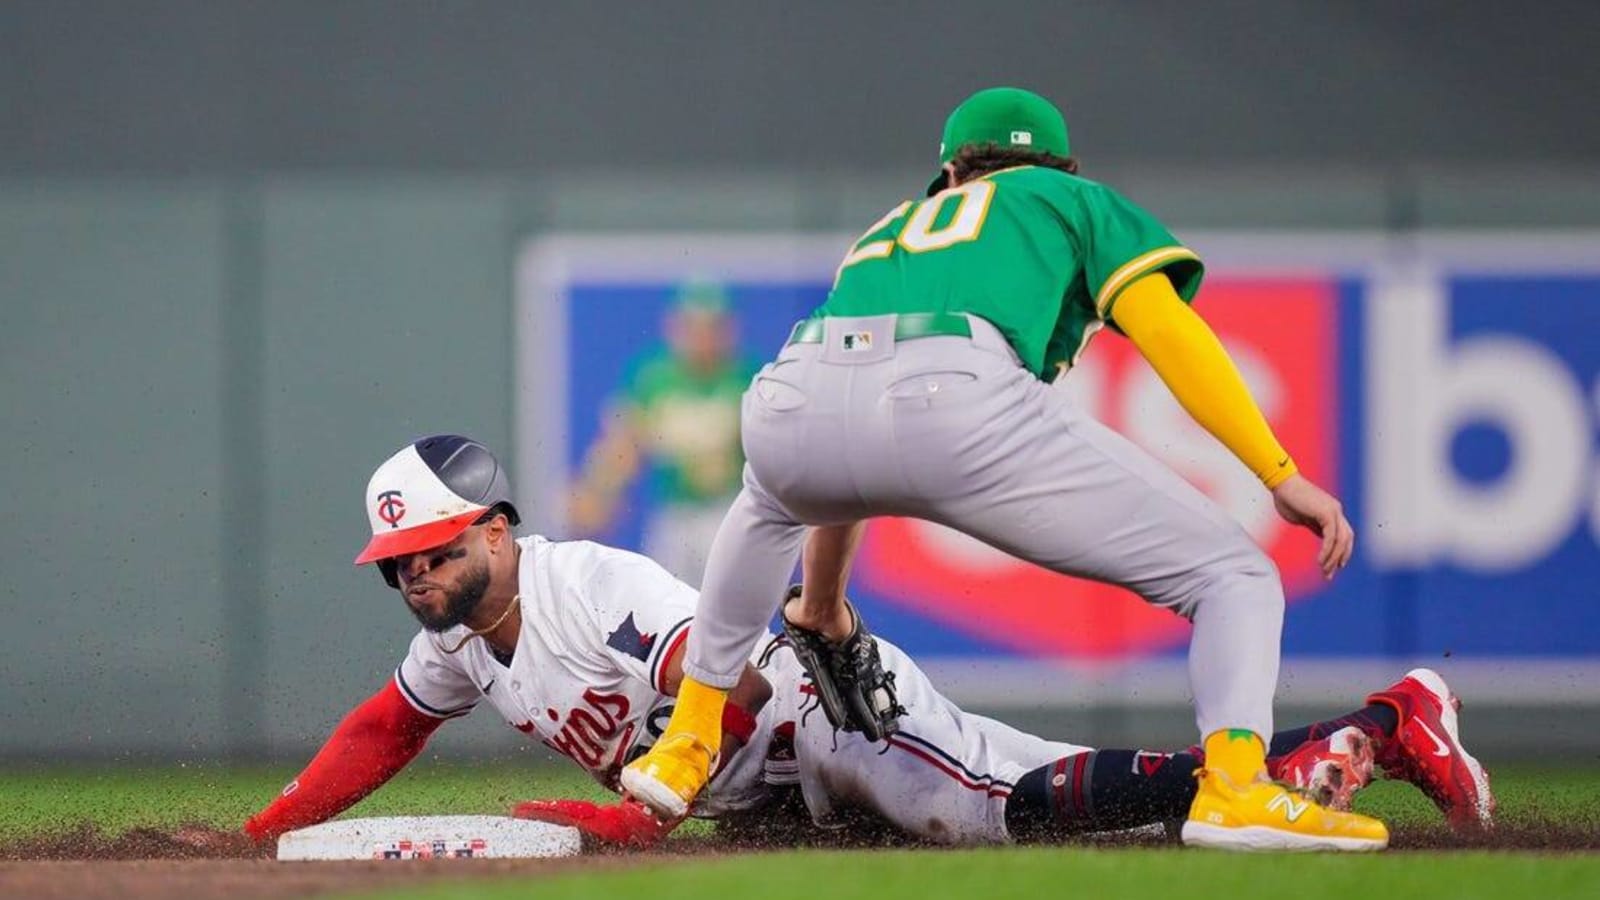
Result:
pixel 699 294
pixel 1008 116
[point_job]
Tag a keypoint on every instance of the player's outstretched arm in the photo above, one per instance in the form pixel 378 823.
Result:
pixel 1185 352
pixel 829 552
pixel 376 740
pixel 609 466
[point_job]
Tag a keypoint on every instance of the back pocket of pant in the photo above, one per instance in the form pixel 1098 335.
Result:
pixel 777 396
pixel 931 385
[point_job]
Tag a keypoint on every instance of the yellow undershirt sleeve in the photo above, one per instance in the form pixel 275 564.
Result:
pixel 1185 352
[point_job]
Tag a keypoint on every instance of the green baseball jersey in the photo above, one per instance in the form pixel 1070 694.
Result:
pixel 1038 252
pixel 689 423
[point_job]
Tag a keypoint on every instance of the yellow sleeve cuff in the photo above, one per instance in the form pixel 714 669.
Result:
pixel 1185 352
pixel 1280 473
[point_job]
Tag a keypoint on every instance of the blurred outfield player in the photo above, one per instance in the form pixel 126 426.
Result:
pixel 920 388
pixel 579 646
pixel 676 419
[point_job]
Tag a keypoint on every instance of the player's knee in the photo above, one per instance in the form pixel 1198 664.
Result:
pixel 1241 575
pixel 1253 579
pixel 1253 563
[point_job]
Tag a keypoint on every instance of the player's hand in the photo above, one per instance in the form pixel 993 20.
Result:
pixel 1302 503
pixel 627 822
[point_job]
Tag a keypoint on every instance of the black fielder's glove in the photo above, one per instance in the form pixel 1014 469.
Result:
pixel 855 692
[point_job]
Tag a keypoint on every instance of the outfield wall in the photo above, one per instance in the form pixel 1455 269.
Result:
pixel 199 375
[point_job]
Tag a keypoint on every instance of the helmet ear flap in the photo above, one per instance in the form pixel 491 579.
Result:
pixel 390 571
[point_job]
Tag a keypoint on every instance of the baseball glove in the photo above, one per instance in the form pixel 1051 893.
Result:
pixel 855 693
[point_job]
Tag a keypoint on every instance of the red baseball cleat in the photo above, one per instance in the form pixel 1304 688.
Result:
pixel 1330 770
pixel 1426 750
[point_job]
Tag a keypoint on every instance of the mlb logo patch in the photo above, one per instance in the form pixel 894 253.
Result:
pixel 1022 138
pixel 858 340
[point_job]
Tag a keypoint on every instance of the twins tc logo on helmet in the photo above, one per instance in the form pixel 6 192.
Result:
pixel 438 487
pixel 391 508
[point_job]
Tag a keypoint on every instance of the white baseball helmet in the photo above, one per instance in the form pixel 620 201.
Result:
pixel 429 492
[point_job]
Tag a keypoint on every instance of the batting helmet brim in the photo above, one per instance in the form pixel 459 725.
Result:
pixel 390 544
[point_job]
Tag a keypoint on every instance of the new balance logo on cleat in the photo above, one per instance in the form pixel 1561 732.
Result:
pixel 1261 815
pixel 1291 809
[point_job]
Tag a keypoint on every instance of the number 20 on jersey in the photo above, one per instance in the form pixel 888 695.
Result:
pixel 919 234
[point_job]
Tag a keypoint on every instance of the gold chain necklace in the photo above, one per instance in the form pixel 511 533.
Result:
pixel 515 602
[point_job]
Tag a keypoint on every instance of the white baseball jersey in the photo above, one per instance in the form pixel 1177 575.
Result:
pixel 587 677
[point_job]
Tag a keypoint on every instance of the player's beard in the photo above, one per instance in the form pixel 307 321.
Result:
pixel 460 601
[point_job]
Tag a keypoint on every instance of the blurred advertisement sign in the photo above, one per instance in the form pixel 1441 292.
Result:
pixel 1448 389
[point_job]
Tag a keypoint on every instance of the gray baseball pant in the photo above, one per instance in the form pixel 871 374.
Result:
pixel 956 431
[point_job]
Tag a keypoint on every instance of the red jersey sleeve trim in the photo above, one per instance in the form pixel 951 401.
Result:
pixel 670 642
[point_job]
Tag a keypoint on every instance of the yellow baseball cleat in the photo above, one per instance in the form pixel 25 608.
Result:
pixel 1263 815
pixel 671 775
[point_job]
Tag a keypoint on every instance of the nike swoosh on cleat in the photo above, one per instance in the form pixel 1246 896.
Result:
pixel 1440 748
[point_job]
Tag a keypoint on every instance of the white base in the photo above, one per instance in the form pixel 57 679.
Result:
pixel 1258 838
pixel 430 837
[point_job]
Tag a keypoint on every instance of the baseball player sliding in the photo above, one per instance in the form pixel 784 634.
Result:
pixel 919 388
pixel 580 646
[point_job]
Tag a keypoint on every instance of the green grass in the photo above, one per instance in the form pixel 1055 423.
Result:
pixel 1100 874
pixel 1568 796
pixel 45 800
pixel 35 801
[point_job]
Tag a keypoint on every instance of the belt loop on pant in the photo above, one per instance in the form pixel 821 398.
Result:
pixel 907 327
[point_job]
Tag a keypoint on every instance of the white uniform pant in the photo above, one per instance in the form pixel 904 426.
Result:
pixel 944 777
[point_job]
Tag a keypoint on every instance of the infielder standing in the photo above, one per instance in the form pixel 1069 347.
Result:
pixel 919 388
